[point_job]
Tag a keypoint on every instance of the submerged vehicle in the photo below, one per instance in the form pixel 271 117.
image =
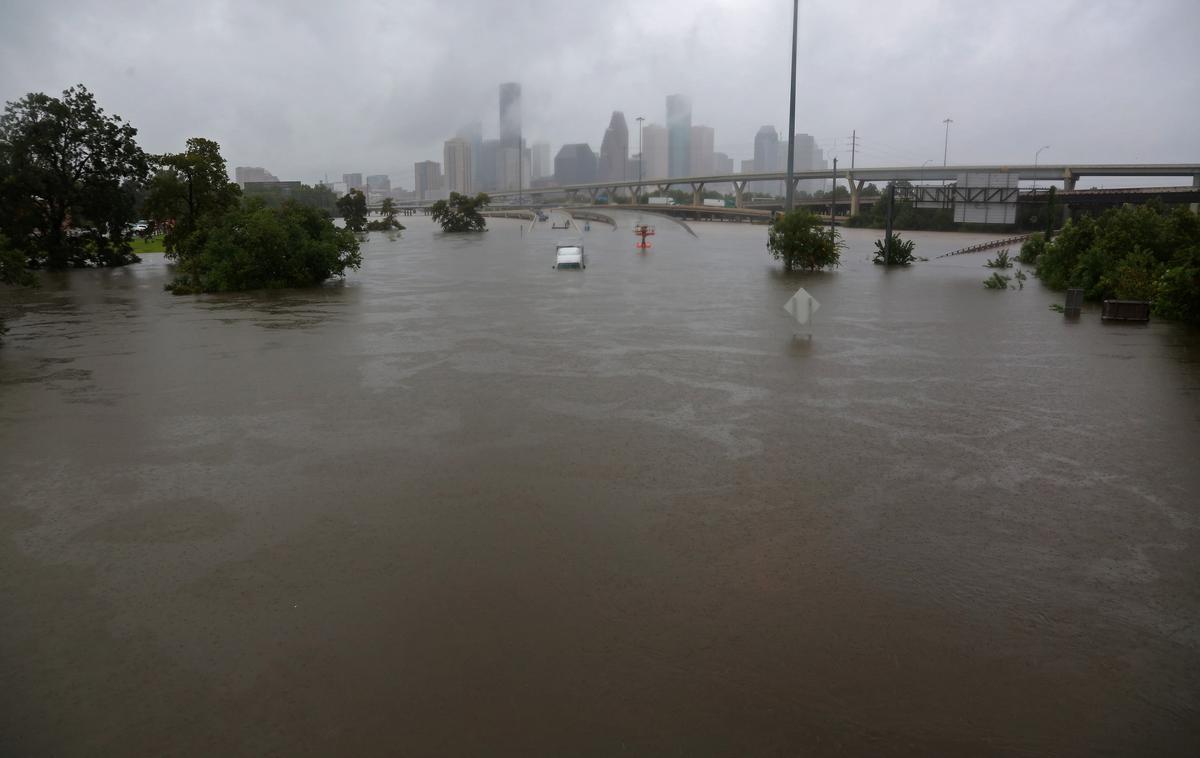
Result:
pixel 569 256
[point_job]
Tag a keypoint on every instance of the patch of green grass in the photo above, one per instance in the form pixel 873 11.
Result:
pixel 143 246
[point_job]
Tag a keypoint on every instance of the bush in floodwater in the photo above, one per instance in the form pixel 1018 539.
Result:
pixel 1032 248
pixel 894 251
pixel 1000 261
pixel 997 281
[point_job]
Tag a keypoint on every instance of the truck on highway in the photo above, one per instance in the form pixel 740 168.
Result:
pixel 662 201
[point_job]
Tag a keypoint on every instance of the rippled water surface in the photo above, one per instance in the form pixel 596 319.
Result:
pixel 463 503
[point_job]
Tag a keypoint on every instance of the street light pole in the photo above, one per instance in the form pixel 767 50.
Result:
pixel 946 144
pixel 791 190
pixel 1035 162
pixel 641 151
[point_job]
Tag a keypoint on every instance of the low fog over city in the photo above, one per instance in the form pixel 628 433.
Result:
pixel 316 90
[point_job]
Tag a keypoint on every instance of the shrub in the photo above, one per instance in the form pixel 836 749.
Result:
pixel 898 253
pixel 799 239
pixel 996 281
pixel 1000 261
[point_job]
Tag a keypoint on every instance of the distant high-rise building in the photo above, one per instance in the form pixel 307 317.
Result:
pixel 379 183
pixel 243 174
pixel 489 160
pixel 353 182
pixel 701 159
pixel 457 152
pixel 512 176
pixel 747 166
pixel 655 162
pixel 722 164
pixel 679 135
pixel 767 158
pixel 510 114
pixel 575 164
pixel 614 150
pixel 427 179
pixel 540 165
pixel 473 134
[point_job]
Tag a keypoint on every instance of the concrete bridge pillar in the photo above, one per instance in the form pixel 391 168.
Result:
pixel 592 194
pixel 855 193
pixel 1196 184
pixel 1069 180
pixel 637 193
pixel 697 193
pixel 739 189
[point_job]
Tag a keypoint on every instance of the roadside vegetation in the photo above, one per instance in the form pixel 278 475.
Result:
pixel 894 251
pixel 461 213
pixel 388 223
pixel 223 242
pixel 801 241
pixel 1144 252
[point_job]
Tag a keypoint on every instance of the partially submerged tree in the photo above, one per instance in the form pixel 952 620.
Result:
pixel 799 239
pixel 188 189
pixel 352 207
pixel 461 213
pixel 388 222
pixel 256 247
pixel 66 176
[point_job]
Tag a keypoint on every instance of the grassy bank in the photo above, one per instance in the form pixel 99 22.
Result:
pixel 151 245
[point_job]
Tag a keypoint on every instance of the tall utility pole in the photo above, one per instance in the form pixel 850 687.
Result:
pixel 791 187
pixel 946 145
pixel 853 147
pixel 520 165
pixel 641 150
pixel 833 202
pixel 1035 161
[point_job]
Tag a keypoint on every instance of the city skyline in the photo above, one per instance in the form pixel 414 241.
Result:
pixel 892 78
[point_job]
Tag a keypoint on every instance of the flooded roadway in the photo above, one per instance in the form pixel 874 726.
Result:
pixel 467 504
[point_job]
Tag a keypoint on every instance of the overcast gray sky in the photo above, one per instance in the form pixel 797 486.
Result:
pixel 313 88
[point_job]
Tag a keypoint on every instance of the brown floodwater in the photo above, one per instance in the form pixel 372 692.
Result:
pixel 465 504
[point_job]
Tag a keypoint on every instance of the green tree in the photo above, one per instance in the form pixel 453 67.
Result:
pixel 388 222
pixel 799 239
pixel 256 247
pixel 66 169
pixel 461 213
pixel 353 208
pixel 188 189
pixel 1143 252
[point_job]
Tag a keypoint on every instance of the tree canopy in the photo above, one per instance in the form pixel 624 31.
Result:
pixel 388 223
pixel 1142 252
pixel 461 213
pixel 799 239
pixel 352 207
pixel 188 188
pixel 67 174
pixel 255 247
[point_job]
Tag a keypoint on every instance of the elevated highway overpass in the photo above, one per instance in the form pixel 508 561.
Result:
pixel 1068 174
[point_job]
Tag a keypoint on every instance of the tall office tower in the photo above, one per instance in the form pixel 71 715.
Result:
pixel 540 165
pixel 511 177
pixel 457 153
pixel 243 174
pixel 489 158
pixel 510 135
pixel 427 179
pixel 379 183
pixel 766 158
pixel 701 158
pixel 614 150
pixel 575 164
pixel 353 182
pixel 722 164
pixel 473 134
pixel 654 148
pixel 747 167
pixel 679 135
